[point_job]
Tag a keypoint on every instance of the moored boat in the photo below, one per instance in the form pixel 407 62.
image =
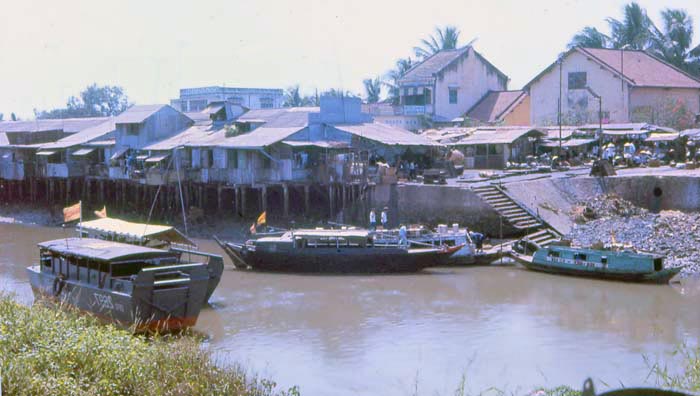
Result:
pixel 150 289
pixel 623 265
pixel 332 251
pixel 157 236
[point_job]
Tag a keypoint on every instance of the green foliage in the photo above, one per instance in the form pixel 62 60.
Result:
pixel 48 351
pixel 688 380
pixel 13 117
pixel 392 78
pixel 445 38
pixel 590 37
pixel 373 88
pixel 94 101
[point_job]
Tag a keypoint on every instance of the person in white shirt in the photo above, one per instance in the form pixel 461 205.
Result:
pixel 384 217
pixel 372 220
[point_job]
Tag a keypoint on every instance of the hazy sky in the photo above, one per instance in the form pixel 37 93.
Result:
pixel 53 49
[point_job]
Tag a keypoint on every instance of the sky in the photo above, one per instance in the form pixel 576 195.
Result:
pixel 54 49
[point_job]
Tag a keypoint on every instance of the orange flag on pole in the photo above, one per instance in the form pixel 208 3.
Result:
pixel 101 213
pixel 72 213
pixel 262 219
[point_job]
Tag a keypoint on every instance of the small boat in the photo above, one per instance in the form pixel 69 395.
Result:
pixel 156 236
pixel 332 251
pixel 150 289
pixel 621 265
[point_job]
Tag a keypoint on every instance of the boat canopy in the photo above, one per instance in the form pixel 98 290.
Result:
pixel 101 250
pixel 110 227
pixel 324 233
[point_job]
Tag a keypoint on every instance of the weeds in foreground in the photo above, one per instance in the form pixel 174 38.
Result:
pixel 48 351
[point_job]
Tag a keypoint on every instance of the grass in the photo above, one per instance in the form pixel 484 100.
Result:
pixel 48 351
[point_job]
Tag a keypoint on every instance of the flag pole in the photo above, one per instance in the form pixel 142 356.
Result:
pixel 80 228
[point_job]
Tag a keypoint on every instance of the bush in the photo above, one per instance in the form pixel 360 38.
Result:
pixel 49 351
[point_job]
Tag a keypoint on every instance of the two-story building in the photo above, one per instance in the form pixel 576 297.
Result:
pixel 197 99
pixel 628 86
pixel 447 84
pixel 138 127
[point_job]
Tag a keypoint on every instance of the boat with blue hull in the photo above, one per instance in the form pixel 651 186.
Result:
pixel 149 289
pixel 622 265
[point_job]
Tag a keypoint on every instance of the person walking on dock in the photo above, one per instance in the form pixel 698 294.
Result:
pixel 384 217
pixel 478 239
pixel 372 220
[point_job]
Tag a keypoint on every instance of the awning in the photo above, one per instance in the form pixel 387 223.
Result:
pixel 83 151
pixel 624 132
pixel 109 227
pixel 318 144
pixel 119 153
pixel 662 137
pixel 46 153
pixel 157 158
pixel 141 157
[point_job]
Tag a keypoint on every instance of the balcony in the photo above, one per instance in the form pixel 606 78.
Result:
pixel 413 110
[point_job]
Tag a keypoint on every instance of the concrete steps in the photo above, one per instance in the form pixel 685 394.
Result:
pixel 511 211
pixel 543 237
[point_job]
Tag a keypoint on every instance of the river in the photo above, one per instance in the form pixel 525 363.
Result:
pixel 498 326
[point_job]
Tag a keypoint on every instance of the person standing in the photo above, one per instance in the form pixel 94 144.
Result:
pixel 478 239
pixel 384 217
pixel 372 220
pixel 403 236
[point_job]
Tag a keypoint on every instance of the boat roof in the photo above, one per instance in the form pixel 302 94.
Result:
pixel 627 253
pixel 327 233
pixel 139 231
pixel 98 249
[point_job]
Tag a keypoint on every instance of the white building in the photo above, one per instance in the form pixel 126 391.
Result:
pixel 197 99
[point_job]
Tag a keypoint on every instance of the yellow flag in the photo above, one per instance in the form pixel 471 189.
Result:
pixel 71 213
pixel 101 213
pixel 262 219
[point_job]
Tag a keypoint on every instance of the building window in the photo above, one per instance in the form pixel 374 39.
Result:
pixel 266 103
pixel 232 159
pixel 237 100
pixel 132 129
pixel 577 80
pixel 197 105
pixel 453 95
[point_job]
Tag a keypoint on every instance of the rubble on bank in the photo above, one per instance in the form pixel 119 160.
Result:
pixel 671 233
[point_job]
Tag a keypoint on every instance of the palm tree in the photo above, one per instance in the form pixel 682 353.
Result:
pixel 673 44
pixel 590 37
pixel 445 39
pixel 292 97
pixel 392 78
pixel 635 29
pixel 373 88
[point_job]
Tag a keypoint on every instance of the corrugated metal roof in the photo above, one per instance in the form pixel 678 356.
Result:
pixel 193 134
pixel 386 134
pixel 102 143
pixel 83 151
pixel 568 143
pixel 98 249
pixel 280 118
pixel 318 143
pixel 84 136
pixel 258 138
pixel 496 136
pixel 67 125
pixel 662 137
pixel 138 114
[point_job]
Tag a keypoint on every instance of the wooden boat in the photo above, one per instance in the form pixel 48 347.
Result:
pixel 332 251
pixel 621 265
pixel 150 289
pixel 157 236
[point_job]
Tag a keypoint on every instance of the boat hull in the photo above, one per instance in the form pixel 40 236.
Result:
pixel 660 277
pixel 171 310
pixel 337 260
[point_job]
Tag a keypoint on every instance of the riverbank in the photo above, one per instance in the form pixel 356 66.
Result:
pixel 48 351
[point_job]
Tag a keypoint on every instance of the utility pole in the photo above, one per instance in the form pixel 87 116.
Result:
pixel 561 60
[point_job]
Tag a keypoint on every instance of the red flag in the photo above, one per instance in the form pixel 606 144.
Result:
pixel 71 213
pixel 252 229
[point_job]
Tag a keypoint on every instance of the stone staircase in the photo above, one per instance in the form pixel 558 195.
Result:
pixel 517 215
pixel 514 213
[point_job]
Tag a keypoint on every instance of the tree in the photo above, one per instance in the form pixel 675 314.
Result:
pixel 373 88
pixel 292 97
pixel 634 30
pixel 13 117
pixel 338 93
pixel 94 101
pixel 673 44
pixel 590 37
pixel 393 76
pixel 444 39
pixel 1 116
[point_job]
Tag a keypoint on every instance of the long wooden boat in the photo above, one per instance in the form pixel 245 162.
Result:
pixel 332 251
pixel 157 236
pixel 620 265
pixel 147 288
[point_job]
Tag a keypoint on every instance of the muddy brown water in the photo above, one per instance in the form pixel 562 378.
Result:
pixel 390 335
